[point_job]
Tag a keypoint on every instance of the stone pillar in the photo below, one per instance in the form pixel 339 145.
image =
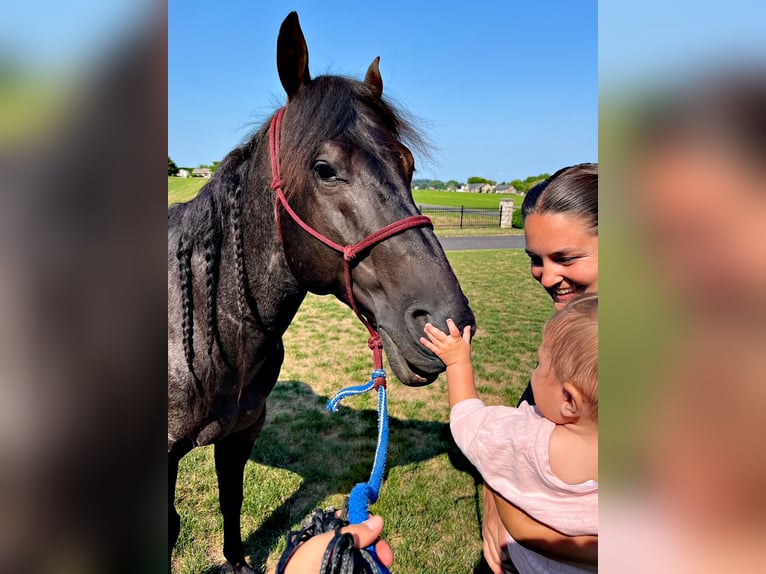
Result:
pixel 506 217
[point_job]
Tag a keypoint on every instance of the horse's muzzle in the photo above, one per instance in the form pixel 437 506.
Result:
pixel 408 373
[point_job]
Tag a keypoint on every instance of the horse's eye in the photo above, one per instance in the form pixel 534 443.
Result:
pixel 325 171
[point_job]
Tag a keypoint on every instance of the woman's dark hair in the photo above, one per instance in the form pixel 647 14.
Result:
pixel 571 190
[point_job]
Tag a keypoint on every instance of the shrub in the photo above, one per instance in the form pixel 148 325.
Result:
pixel 516 220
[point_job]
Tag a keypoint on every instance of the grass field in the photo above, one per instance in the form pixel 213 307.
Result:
pixel 183 189
pixel 456 199
pixel 308 458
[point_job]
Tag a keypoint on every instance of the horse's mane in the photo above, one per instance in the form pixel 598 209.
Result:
pixel 201 225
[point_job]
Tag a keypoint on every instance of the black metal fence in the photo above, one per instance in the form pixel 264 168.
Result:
pixel 462 217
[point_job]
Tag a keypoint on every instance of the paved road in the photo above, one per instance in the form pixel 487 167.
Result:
pixel 489 242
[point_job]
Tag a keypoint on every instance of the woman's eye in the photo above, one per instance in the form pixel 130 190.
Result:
pixel 325 171
pixel 535 260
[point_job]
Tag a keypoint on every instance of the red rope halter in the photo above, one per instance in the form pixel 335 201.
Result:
pixel 350 252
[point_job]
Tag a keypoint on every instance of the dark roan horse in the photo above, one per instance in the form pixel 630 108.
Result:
pixel 235 281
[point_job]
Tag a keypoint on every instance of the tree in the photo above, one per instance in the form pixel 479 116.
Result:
pixel 529 182
pixel 437 184
pixel 453 184
pixel 214 167
pixel 477 179
pixel 533 180
pixel 172 167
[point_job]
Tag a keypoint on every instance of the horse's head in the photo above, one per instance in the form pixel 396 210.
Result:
pixel 347 172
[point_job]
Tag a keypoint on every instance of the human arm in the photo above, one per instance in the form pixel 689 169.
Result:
pixel 492 533
pixel 455 351
pixel 308 557
pixel 531 534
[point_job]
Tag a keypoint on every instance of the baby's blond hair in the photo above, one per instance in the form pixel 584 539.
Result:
pixel 571 338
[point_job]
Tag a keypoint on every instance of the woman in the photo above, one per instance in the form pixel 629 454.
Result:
pixel 561 232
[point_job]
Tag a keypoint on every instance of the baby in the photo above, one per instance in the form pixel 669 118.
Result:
pixel 543 459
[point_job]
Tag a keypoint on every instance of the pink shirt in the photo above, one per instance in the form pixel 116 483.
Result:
pixel 509 447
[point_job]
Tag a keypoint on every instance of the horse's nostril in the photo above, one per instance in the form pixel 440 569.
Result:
pixel 420 317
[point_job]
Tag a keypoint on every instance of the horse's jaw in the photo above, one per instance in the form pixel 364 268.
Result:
pixel 404 371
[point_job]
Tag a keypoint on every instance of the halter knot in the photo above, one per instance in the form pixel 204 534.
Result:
pixel 349 253
pixel 277 183
pixel 374 342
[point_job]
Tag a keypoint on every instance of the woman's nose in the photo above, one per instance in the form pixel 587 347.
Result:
pixel 551 275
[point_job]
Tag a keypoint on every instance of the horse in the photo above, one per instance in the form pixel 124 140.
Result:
pixel 331 167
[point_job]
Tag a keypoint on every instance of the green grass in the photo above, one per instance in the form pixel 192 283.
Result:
pixel 456 199
pixel 475 231
pixel 184 189
pixel 307 458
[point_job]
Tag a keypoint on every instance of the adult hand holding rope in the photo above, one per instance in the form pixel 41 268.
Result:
pixel 310 556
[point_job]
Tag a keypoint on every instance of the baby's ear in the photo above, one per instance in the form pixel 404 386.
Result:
pixel 573 402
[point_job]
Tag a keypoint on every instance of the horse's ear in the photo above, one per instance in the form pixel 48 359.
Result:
pixel 292 56
pixel 373 78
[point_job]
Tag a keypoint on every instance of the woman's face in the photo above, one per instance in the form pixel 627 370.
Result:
pixel 563 255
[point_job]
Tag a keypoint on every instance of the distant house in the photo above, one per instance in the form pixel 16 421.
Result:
pixel 183 173
pixel 477 188
pixel 503 188
pixel 201 172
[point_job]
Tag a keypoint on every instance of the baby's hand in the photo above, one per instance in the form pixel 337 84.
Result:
pixel 452 349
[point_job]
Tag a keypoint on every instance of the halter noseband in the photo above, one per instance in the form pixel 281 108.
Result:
pixel 350 252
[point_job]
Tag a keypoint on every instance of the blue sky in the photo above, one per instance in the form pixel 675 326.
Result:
pixel 659 43
pixel 505 89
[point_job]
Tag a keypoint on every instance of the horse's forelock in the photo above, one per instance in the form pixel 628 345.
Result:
pixel 333 105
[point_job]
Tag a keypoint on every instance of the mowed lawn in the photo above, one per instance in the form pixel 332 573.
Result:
pixel 308 458
pixel 457 199
pixel 183 189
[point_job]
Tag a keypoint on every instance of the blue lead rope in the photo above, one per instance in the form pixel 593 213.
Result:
pixel 366 493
